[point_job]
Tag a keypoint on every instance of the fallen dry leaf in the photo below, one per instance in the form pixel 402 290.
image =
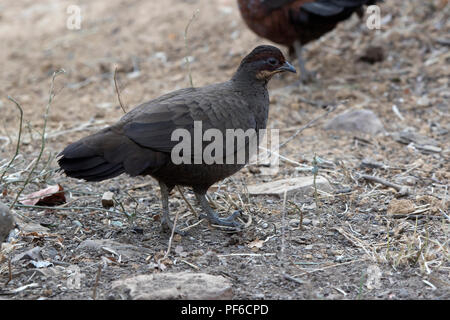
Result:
pixel 50 196
pixel 256 244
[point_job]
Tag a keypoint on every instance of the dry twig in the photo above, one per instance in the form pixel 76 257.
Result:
pixel 117 91
pixel 18 138
pixel 94 291
pixel 402 190
pixel 191 208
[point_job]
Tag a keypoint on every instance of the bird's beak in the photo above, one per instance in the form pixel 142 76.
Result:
pixel 287 67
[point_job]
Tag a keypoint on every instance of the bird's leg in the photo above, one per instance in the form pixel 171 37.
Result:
pixel 166 222
pixel 305 75
pixel 212 216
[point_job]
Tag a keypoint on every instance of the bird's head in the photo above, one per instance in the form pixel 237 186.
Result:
pixel 263 62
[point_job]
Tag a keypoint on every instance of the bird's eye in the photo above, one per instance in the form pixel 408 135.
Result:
pixel 272 61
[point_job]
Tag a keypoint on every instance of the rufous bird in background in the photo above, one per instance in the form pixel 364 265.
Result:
pixel 294 23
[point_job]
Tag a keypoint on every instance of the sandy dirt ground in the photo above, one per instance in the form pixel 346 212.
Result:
pixel 349 244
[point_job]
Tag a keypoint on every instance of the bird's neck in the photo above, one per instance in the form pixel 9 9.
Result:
pixel 245 79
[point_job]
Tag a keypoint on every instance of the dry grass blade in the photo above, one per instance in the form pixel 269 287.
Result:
pixel 43 136
pixel 117 90
pixel 171 237
pixel 18 138
pixel 356 242
pixel 191 208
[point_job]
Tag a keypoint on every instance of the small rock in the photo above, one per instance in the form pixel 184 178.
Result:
pixel 116 223
pixel 123 249
pixel 41 264
pixel 6 222
pixel 373 54
pixel 32 254
pixel 108 200
pixel 360 120
pixel 77 223
pixel 410 136
pixel 408 180
pixel 171 286
pixel 374 275
pixel 302 187
pixel 311 206
pixel 429 149
pixel 161 56
pixel 423 101
pixel 104 105
pixel 259 296
pixel 403 293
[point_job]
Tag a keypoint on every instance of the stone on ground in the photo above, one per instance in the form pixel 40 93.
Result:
pixel 359 120
pixel 171 286
pixel 301 187
pixel 6 222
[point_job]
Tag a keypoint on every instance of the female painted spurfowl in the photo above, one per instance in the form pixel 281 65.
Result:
pixel 142 141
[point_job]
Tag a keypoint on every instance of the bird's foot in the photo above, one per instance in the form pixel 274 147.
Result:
pixel 226 222
pixel 167 226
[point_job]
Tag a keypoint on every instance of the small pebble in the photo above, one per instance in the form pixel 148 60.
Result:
pixel 259 296
pixel 423 101
pixel 77 223
pixel 116 223
pixel 108 200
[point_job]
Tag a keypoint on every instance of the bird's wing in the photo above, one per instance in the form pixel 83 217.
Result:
pixel 326 8
pixel 141 140
pixel 151 124
pixel 275 4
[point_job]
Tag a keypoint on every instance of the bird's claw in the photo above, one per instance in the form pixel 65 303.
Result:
pixel 226 222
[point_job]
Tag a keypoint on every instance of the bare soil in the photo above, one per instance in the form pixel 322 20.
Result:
pixel 349 245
